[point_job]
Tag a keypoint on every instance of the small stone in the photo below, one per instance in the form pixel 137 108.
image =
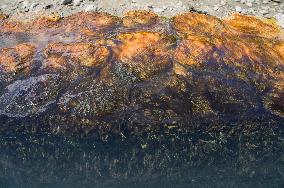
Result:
pixel 134 1
pixel 48 6
pixel 26 4
pixel 264 12
pixel 33 5
pixel 179 4
pixel 249 4
pixel 251 10
pixel 265 1
pixel 77 2
pixel 61 15
pixel 223 2
pixel 277 1
pixel 216 7
pixel 3 7
pixel 91 8
pixel 158 10
pixel 280 19
pixel 238 9
pixel 66 2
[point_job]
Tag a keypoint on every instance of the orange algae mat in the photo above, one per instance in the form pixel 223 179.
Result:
pixel 252 50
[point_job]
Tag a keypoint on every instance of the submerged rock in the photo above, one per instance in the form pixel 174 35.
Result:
pixel 29 97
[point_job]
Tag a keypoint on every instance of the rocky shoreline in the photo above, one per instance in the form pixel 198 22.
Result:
pixel 26 9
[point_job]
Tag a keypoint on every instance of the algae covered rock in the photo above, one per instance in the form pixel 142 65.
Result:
pixel 126 98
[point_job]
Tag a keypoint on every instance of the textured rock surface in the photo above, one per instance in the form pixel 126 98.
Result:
pixel 219 8
pixel 141 95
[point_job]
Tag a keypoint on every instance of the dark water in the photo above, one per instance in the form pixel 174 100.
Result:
pixel 45 160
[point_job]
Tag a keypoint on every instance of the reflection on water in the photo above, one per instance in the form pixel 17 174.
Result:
pixel 7 41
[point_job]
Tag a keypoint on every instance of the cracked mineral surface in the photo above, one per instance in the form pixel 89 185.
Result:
pixel 104 101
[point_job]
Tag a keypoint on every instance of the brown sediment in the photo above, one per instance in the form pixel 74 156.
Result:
pixel 229 47
pixel 279 48
pixel 9 26
pixel 139 18
pixel 194 50
pixel 18 58
pixel 144 52
pixel 95 23
pixel 252 26
pixel 197 24
pixel 44 23
pixel 58 55
pixel 80 22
